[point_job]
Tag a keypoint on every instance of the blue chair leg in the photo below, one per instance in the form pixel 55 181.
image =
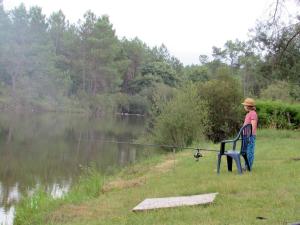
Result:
pixel 247 162
pixel 219 163
pixel 229 163
pixel 238 163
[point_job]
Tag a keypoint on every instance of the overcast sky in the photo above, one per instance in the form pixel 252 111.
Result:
pixel 187 27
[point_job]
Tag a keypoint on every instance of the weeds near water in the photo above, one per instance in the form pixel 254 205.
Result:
pixel 33 208
pixel 27 210
pixel 89 185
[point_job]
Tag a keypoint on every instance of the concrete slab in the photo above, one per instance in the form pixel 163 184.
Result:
pixel 157 203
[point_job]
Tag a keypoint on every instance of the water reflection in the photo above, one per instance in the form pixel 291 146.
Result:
pixel 7 215
pixel 58 190
pixel 45 150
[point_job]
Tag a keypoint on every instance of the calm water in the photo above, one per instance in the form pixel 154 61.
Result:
pixel 49 150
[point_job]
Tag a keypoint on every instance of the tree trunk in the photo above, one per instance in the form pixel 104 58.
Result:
pixel 84 69
pixel 13 82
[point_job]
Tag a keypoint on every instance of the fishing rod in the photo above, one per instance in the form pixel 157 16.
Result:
pixel 197 153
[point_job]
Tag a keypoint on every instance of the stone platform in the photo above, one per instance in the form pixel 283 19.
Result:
pixel 170 202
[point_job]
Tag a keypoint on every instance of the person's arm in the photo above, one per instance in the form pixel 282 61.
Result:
pixel 254 124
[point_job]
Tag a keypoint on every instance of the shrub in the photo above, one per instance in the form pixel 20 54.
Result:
pixel 276 114
pixel 279 90
pixel 182 120
pixel 158 96
pixel 223 97
pixel 121 102
pixel 138 105
pixel 132 104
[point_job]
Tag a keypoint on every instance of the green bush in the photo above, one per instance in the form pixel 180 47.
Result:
pixel 138 105
pixel 121 103
pixel 157 96
pixel 132 104
pixel 182 120
pixel 275 114
pixel 212 108
pixel 223 97
pixel 280 90
pixel 99 104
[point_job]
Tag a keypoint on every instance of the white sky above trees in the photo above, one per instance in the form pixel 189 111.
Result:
pixel 188 28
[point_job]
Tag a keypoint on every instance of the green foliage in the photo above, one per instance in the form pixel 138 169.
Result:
pixel 140 83
pixel 135 104
pixel 161 54
pixel 99 104
pixel 212 108
pixel 223 97
pixel 138 105
pixel 182 120
pixel 295 92
pixel 32 209
pixel 275 114
pixel 232 53
pixel 28 62
pixel 196 73
pixel 279 90
pixel 45 61
pixel 135 53
pixel 101 49
pixel 158 96
pixel 162 70
pixel 281 51
pixel 89 185
pixel 28 211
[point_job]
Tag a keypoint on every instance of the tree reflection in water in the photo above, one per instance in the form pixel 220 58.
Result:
pixel 47 150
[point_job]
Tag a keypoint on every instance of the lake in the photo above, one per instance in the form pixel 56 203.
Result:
pixel 49 150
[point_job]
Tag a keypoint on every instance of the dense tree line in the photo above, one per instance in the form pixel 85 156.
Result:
pixel 49 62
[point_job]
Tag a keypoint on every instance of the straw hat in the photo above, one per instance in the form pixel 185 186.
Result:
pixel 249 102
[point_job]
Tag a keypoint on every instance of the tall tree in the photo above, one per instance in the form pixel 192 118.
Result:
pixel 58 25
pixel 135 52
pixel 85 30
pixel 5 29
pixel 15 50
pixel 281 51
pixel 101 51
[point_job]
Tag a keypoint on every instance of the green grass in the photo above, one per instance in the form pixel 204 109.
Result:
pixel 271 190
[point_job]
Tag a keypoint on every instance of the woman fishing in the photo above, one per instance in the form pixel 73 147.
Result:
pixel 250 118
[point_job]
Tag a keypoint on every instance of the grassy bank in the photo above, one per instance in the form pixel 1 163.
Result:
pixel 270 191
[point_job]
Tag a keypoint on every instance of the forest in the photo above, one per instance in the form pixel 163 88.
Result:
pixel 50 64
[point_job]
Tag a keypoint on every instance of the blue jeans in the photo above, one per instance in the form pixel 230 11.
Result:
pixel 250 150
